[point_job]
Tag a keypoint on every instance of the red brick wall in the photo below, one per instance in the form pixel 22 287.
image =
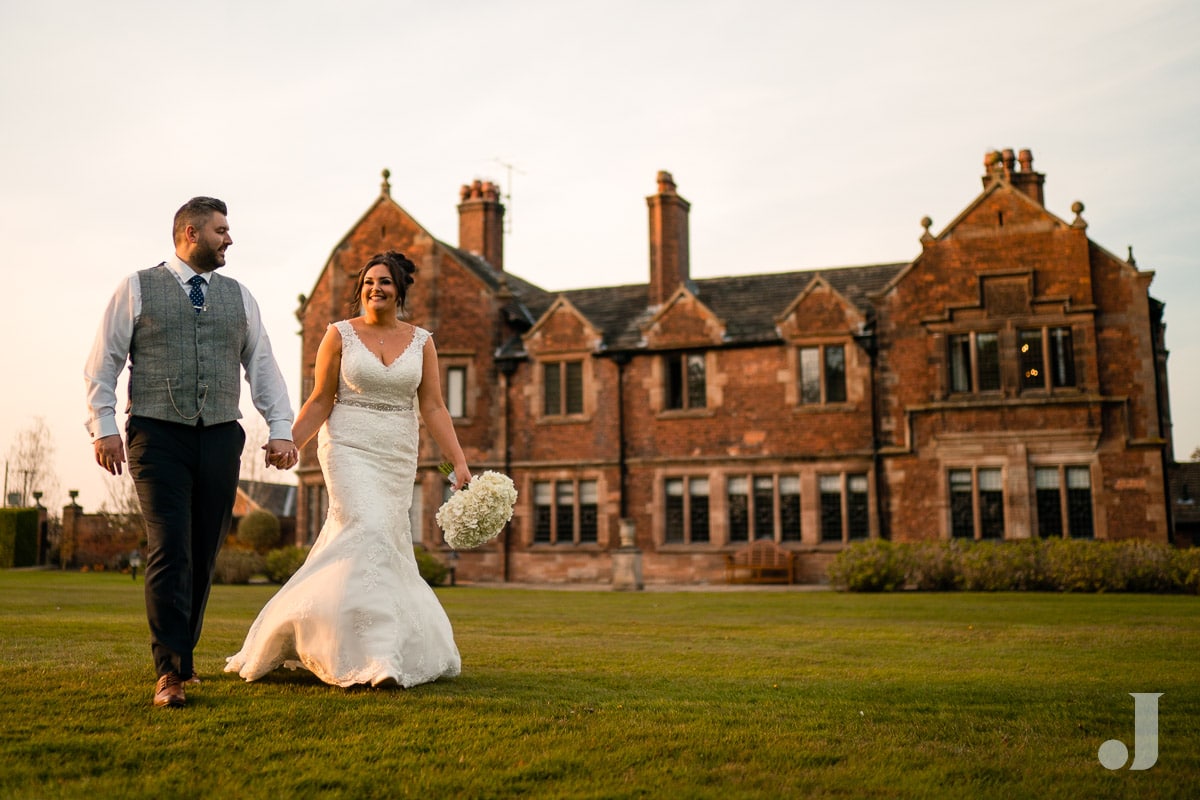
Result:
pixel 1072 284
pixel 1004 265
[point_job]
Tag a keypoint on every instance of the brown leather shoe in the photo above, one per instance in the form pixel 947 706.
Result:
pixel 168 692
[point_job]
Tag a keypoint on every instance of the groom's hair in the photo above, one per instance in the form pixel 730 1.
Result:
pixel 401 270
pixel 195 212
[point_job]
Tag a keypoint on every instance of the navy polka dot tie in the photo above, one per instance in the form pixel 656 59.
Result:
pixel 196 295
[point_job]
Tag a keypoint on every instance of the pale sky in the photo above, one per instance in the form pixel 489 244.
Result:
pixel 804 134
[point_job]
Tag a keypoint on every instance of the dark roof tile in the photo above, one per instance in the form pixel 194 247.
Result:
pixel 748 304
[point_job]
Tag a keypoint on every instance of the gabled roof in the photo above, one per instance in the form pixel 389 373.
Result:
pixel 562 304
pixel 818 282
pixel 517 310
pixel 278 498
pixel 490 276
pixel 748 304
pixel 994 186
pixel 384 197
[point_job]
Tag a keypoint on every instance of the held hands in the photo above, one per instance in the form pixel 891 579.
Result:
pixel 110 453
pixel 281 454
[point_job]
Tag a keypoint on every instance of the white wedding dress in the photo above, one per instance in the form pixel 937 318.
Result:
pixel 358 611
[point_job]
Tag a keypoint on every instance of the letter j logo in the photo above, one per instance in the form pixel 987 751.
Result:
pixel 1113 753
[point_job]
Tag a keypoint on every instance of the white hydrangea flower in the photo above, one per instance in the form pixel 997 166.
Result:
pixel 477 513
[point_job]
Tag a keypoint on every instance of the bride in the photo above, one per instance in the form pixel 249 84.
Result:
pixel 358 611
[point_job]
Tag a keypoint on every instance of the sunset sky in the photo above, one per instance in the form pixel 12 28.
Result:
pixel 805 135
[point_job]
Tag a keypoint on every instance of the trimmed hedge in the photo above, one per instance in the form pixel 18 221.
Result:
pixel 1057 565
pixel 282 564
pixel 237 566
pixel 430 566
pixel 18 537
pixel 259 529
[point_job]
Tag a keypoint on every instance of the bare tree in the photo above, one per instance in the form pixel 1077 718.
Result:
pixel 1195 456
pixel 30 465
pixel 122 495
pixel 121 509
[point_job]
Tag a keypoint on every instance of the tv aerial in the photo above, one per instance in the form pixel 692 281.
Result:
pixel 507 194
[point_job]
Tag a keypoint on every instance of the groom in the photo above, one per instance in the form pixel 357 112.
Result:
pixel 187 333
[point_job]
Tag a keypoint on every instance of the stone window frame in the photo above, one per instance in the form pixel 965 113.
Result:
pixel 979 509
pixel 581 525
pixel 586 383
pixel 1050 373
pixel 1067 523
pixel 687 509
pixel 466 398
pixel 854 373
pixel 1008 364
pixel 972 373
pixel 657 384
pixel 854 523
pixel 823 378
pixel 780 484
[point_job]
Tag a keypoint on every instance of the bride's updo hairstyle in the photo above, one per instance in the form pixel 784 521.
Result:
pixel 401 270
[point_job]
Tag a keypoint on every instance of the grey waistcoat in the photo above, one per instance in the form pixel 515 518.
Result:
pixel 186 367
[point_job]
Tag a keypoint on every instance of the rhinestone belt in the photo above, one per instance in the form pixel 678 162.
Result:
pixel 373 406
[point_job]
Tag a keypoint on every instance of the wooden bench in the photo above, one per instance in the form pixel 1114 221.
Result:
pixel 761 561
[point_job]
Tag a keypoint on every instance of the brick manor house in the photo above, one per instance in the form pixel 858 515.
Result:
pixel 1007 383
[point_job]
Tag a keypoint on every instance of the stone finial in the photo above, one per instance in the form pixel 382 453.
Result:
pixel 666 184
pixel 1079 221
pixel 926 223
pixel 1131 260
pixel 386 187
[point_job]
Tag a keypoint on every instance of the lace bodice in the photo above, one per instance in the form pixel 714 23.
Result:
pixel 367 382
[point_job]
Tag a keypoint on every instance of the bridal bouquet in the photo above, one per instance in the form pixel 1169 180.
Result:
pixel 475 514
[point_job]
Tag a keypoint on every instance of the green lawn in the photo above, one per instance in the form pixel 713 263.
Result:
pixel 596 694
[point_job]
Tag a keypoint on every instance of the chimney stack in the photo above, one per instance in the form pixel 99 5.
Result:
pixel 669 262
pixel 1003 166
pixel 481 222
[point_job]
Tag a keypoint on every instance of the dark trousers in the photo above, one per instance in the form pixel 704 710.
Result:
pixel 186 480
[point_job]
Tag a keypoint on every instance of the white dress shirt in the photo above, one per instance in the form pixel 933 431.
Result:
pixel 110 353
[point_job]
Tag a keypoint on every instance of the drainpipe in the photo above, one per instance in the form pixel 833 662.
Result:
pixel 506 367
pixel 868 340
pixel 621 360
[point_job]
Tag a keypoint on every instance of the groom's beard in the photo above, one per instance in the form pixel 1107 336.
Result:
pixel 206 259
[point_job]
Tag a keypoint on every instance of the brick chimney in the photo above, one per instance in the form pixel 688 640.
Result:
pixel 1003 166
pixel 481 222
pixel 669 265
